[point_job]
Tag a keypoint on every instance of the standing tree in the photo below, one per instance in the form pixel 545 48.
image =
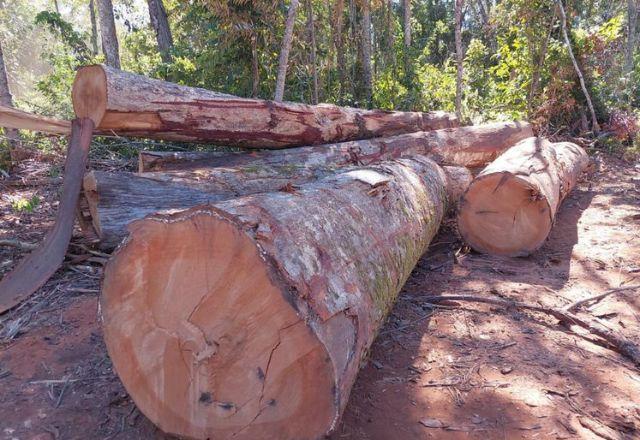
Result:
pixel 108 33
pixel 312 55
pixel 367 76
pixel 7 101
pixel 633 8
pixel 563 19
pixel 406 10
pixel 459 4
pixel 160 25
pixel 338 25
pixel 94 27
pixel 284 50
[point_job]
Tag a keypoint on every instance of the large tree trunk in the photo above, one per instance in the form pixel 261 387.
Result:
pixel 160 25
pixel 94 27
pixel 283 62
pixel 563 20
pixel 34 270
pixel 7 101
pixel 459 4
pixel 250 318
pixel 312 55
pixel 133 105
pixel 509 208
pixel 108 33
pixel 367 75
pixel 185 179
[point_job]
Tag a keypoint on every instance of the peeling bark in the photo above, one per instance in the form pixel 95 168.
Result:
pixel 509 208
pixel 133 105
pixel 293 287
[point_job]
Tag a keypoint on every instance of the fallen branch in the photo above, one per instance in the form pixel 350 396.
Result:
pixel 576 305
pixel 618 343
pixel 22 245
pixel 12 118
pixel 33 271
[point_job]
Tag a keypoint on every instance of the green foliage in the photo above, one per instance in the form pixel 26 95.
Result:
pixel 20 205
pixel 74 40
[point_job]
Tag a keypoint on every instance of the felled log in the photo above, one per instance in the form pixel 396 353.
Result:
pixel 18 119
pixel 249 318
pixel 115 199
pixel 471 147
pixel 510 206
pixel 35 269
pixel 132 105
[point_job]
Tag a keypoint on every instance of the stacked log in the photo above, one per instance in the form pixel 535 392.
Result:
pixel 249 318
pixel 510 206
pixel 127 104
pixel 190 178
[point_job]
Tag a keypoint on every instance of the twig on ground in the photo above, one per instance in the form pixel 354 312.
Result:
pixel 618 343
pixel 22 245
pixel 576 305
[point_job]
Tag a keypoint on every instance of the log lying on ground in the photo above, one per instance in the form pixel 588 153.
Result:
pixel 115 200
pixel 471 147
pixel 132 105
pixel 34 270
pixel 18 119
pixel 509 208
pixel 250 317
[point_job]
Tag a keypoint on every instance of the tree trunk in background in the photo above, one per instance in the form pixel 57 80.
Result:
pixel 459 56
pixel 255 66
pixel 406 19
pixel 338 26
pixel 312 40
pixel 284 51
pixel 537 66
pixel 108 33
pixel 594 120
pixel 7 100
pixel 94 27
pixel 632 25
pixel 367 76
pixel 57 6
pixel 160 25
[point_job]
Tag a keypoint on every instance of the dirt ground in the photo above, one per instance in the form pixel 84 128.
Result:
pixel 452 371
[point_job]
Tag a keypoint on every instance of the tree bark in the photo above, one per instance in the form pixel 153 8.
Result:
pixel 133 105
pixel 12 119
pixel 160 25
pixel 338 42
pixel 34 270
pixel 459 4
pixel 509 208
pixel 250 318
pixel 563 18
pixel 6 100
pixel 312 56
pixel 94 27
pixel 255 66
pixel 182 180
pixel 367 75
pixel 283 62
pixel 632 32
pixel 108 33
pixel 406 19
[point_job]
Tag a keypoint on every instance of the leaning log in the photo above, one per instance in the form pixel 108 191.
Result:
pixel 510 207
pixel 35 269
pixel 471 147
pixel 132 105
pixel 249 318
pixel 115 199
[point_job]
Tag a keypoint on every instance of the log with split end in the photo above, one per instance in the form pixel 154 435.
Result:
pixel 250 317
pixel 510 207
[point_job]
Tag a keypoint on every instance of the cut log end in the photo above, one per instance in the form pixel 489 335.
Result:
pixel 89 93
pixel 504 214
pixel 230 357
